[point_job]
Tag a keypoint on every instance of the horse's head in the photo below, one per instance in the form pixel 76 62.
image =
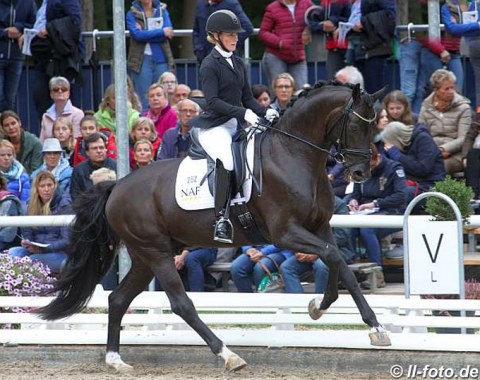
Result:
pixel 356 125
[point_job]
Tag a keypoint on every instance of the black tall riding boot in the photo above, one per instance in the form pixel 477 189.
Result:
pixel 223 190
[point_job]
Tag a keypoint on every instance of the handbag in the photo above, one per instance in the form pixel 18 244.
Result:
pixel 272 282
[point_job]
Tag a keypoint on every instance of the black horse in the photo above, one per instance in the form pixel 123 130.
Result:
pixel 293 212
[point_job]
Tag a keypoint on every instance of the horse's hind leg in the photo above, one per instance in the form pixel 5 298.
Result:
pixel 165 271
pixel 119 300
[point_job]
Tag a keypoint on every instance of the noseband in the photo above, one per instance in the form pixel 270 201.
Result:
pixel 339 156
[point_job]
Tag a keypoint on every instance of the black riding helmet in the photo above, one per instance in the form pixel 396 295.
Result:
pixel 223 21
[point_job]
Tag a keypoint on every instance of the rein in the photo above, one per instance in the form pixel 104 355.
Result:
pixel 339 156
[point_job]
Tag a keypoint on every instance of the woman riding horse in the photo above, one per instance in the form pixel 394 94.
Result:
pixel 292 210
pixel 229 103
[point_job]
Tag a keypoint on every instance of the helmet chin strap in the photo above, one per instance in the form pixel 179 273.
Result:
pixel 220 43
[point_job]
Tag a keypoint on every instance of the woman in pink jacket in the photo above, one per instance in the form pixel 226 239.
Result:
pixel 283 31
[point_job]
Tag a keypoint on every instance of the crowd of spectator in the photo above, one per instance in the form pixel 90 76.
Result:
pixel 419 137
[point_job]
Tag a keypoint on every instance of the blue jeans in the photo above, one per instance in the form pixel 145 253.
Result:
pixel 243 269
pixel 474 49
pixel 409 61
pixel 292 269
pixel 54 260
pixel 373 70
pixel 148 74
pixel 272 66
pixel 371 240
pixel 196 261
pixel 455 66
pixel 10 73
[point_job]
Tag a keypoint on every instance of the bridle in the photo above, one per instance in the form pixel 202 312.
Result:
pixel 342 150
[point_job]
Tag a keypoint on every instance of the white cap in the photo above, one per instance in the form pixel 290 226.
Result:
pixel 51 145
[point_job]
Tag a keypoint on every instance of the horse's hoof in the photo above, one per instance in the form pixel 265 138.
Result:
pixel 113 360
pixel 235 363
pixel 313 310
pixel 379 337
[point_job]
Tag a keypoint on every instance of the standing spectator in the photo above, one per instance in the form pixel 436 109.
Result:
pixel 15 17
pixel 247 272
pixel 261 93
pixel 97 158
pixel 325 20
pixel 54 163
pixel 295 266
pixel 62 106
pixel 448 117
pixel 414 148
pixel 160 111
pixel 10 205
pixel 282 31
pixel 283 88
pixel 372 36
pixel 176 141
pixel 142 154
pixel 18 182
pixel 89 126
pixel 471 157
pixel 63 131
pixel 169 82
pixel 350 74
pixel 28 148
pixel 149 54
pixel 384 193
pixel 106 111
pixel 143 129
pixel 204 9
pixel 47 199
pixel 57 48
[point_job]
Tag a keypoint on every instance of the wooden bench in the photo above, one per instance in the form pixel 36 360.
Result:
pixel 279 320
pixel 472 259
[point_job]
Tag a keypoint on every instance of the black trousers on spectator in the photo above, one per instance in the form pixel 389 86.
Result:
pixel 472 171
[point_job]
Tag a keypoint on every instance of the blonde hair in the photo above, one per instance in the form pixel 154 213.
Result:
pixel 144 121
pixel 143 141
pixel 4 143
pixel 65 121
pixel 397 134
pixel 107 95
pixel 441 75
pixel 103 174
pixel 286 76
pixel 36 205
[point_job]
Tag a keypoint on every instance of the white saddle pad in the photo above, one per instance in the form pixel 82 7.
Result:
pixel 190 195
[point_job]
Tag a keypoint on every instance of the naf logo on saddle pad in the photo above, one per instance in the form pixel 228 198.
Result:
pixel 192 194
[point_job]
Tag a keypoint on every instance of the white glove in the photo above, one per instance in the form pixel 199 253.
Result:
pixel 251 118
pixel 271 114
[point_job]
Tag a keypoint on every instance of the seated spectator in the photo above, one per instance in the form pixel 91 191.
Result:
pixel 46 199
pixel 142 154
pixel 414 148
pixel 97 158
pixel 10 205
pixel 293 268
pixel 336 174
pixel 103 174
pixel 106 111
pixel 261 93
pixel 176 141
pixel 380 124
pixel 383 193
pixel 160 112
pixel 182 91
pixel 62 106
pixel 196 93
pixel 246 272
pixel 132 96
pixel 398 108
pixel 283 88
pixel 63 132
pixel 28 148
pixel 448 117
pixel 169 82
pixel 89 126
pixel 143 129
pixel 471 157
pixel 195 261
pixel 54 163
pixel 18 182
pixel 350 74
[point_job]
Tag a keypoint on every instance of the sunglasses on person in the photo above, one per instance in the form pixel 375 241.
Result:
pixel 58 89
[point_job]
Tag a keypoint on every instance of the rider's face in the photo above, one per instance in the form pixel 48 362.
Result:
pixel 229 40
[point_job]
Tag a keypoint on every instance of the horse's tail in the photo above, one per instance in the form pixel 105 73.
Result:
pixel 92 249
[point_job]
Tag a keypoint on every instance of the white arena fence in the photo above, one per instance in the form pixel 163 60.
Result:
pixel 268 320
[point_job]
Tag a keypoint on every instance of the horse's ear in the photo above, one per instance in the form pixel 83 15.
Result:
pixel 356 93
pixel 377 95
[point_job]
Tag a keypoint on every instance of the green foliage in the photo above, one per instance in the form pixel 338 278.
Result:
pixel 460 193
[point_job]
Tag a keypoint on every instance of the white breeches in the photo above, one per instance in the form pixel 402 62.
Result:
pixel 217 142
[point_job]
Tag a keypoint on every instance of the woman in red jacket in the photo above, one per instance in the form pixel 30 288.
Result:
pixel 282 30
